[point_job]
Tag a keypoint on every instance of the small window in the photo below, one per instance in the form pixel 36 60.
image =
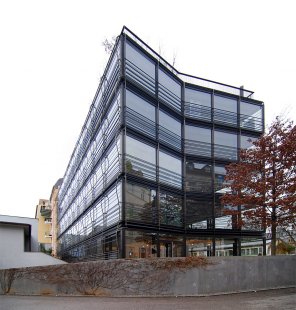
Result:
pixel 197 97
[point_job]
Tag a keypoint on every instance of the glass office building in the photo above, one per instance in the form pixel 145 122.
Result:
pixel 147 172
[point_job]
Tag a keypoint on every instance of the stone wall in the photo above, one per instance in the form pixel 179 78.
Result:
pixel 170 277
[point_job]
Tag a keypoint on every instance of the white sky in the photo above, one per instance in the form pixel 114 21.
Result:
pixel 51 60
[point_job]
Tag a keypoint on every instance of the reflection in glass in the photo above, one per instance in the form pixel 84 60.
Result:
pixel 197 104
pixel 220 183
pixel 198 141
pixel 198 177
pixel 170 170
pixel 140 159
pixel 225 111
pixel 171 212
pixel 169 83
pixel 140 244
pixel 140 105
pixel 198 97
pixel 246 141
pixel 170 245
pixel 251 116
pixel 139 68
pixel 169 130
pixel 225 247
pixel 225 145
pixel 169 123
pixel 140 203
pixel 169 90
pixel 251 247
pixel 226 104
pixel 199 214
pixel 139 114
pixel 222 220
pixel 140 60
pixel 198 133
pixel 250 109
pixel 199 246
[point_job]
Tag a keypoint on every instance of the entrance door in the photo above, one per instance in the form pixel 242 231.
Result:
pixel 169 248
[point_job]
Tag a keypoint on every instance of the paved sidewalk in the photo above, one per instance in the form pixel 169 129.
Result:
pixel 272 299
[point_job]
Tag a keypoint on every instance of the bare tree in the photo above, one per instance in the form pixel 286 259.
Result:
pixel 109 44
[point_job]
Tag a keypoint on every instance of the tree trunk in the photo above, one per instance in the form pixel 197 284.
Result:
pixel 273 233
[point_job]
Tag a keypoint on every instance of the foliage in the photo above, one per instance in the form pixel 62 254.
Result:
pixel 285 248
pixel 44 250
pixel 263 182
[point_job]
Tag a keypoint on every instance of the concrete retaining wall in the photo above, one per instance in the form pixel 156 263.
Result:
pixel 238 274
pixel 171 277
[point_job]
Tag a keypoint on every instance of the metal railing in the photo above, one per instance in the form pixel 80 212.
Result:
pixel 198 111
pixel 198 148
pixel 139 76
pixel 225 152
pixel 140 123
pixel 187 78
pixel 169 138
pixel 140 168
pixel 170 177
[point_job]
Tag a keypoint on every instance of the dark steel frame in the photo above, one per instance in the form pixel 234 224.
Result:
pixel 123 83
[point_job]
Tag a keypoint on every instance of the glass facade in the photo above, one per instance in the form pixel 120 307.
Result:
pixel 148 170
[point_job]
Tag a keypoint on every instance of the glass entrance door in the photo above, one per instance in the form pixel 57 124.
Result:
pixel 170 248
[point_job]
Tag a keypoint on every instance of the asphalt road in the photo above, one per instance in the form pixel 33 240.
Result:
pixel 272 299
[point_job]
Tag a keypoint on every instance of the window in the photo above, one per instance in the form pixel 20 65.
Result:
pixel 170 123
pixel 220 173
pixel 199 214
pixel 139 59
pixel 171 211
pixel 225 247
pixel 225 145
pixel 140 68
pixel 198 134
pixel 246 141
pixel 225 110
pixel 169 90
pixel 140 150
pixel 199 246
pixel 140 244
pixel 171 245
pixel 141 203
pixel 197 104
pixel 140 114
pixel 170 170
pixel 198 141
pixel 198 177
pixel 140 105
pixel 169 130
pixel 226 104
pixel 198 97
pixel 222 220
pixel 140 159
pixel 251 116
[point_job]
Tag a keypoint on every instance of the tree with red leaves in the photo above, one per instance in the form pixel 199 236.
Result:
pixel 262 185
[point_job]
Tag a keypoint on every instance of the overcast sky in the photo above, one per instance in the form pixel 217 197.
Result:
pixel 51 60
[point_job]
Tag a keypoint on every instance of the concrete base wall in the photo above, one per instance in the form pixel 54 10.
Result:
pixel 238 274
pixel 152 277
